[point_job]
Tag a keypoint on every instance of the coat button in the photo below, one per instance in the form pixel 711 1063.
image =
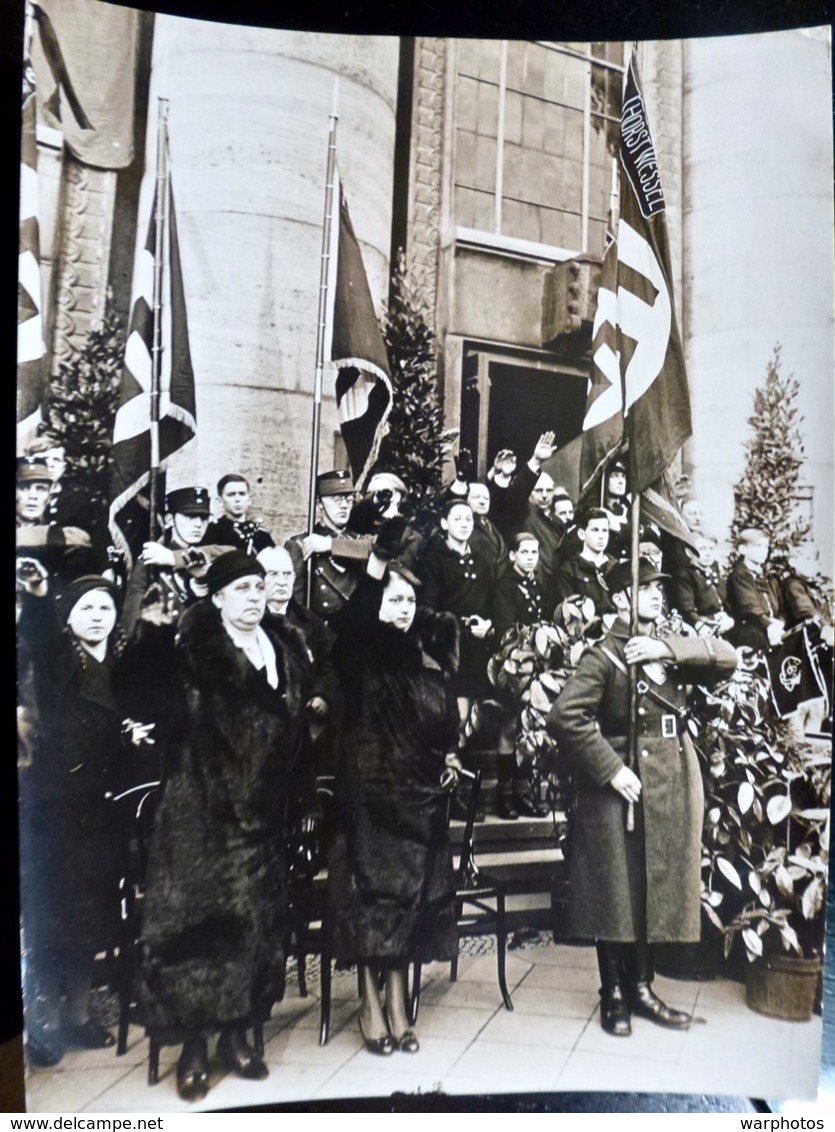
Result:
pixel 644 754
pixel 642 711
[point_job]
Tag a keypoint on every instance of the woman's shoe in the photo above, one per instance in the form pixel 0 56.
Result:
pixel 193 1071
pixel 408 1043
pixel 237 1056
pixel 90 1035
pixel 381 1046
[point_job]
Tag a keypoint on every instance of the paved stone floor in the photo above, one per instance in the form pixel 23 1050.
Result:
pixel 470 1045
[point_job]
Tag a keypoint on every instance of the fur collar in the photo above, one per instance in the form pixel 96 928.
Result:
pixel 211 657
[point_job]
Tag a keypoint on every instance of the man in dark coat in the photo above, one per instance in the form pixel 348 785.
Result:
pixel 510 490
pixel 325 702
pixel 629 887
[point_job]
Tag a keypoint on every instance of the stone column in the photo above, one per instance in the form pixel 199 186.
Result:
pixel 248 127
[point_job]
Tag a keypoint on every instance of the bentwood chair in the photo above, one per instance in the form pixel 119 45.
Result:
pixel 479 900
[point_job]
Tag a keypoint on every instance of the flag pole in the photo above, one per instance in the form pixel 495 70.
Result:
pixel 632 753
pixel 156 348
pixel 324 271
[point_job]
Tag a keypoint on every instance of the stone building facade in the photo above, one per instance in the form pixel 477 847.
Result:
pixel 490 162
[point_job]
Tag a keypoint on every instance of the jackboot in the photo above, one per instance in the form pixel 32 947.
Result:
pixel 526 798
pixel 614 1013
pixel 505 803
pixel 640 997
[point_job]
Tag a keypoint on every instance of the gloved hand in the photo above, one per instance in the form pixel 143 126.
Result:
pixel 464 465
pixel 390 538
pixel 366 513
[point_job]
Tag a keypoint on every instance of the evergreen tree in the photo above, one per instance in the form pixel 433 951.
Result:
pixel 416 441
pixel 766 494
pixel 81 408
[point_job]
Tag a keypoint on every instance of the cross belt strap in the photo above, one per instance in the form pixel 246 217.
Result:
pixel 644 688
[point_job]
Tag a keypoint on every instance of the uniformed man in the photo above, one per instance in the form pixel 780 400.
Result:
pixel 339 554
pixel 616 506
pixel 236 528
pixel 178 563
pixel 629 887
pixel 510 490
pixel 64 551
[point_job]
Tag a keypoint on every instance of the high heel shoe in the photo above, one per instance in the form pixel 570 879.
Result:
pixel 193 1071
pixel 383 1047
pixel 408 1043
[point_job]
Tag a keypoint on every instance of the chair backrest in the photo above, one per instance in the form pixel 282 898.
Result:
pixel 137 807
pixel 467 869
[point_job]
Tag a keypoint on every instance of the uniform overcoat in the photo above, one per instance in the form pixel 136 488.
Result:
pixel 625 886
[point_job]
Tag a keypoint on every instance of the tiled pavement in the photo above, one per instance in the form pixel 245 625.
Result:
pixel 552 1041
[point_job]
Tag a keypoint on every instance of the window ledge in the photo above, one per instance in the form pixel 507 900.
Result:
pixel 511 247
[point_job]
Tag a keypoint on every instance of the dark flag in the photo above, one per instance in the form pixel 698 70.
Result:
pixel 31 384
pixel 177 411
pixel 639 403
pixel 354 346
pixel 656 397
pixel 795 672
pixel 603 423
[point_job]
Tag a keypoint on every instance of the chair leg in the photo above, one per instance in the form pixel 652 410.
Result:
pixel 258 1038
pixel 301 962
pixel 414 997
pixel 325 991
pixel 153 1060
pixel 501 947
pixel 122 1033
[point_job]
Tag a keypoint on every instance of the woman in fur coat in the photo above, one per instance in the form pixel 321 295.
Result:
pixel 391 887
pixel 215 918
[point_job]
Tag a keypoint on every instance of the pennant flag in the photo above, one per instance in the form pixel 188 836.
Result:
pixel 31 384
pixel 177 408
pixel 638 404
pixel 795 672
pixel 354 346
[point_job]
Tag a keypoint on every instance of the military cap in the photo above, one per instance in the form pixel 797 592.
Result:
pixel 617 466
pixel 229 567
pixel 32 469
pixel 188 501
pixel 337 482
pixel 386 481
pixel 619 576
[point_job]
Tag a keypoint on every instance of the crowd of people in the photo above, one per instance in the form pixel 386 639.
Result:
pixel 235 671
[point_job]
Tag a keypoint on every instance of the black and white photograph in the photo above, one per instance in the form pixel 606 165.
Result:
pixel 424 558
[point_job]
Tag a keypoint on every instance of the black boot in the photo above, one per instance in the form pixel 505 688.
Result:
pixel 640 997
pixel 526 798
pixel 614 1013
pixel 505 804
pixel 193 1070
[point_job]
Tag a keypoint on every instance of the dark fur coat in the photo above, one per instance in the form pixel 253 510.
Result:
pixel 390 878
pixel 215 920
